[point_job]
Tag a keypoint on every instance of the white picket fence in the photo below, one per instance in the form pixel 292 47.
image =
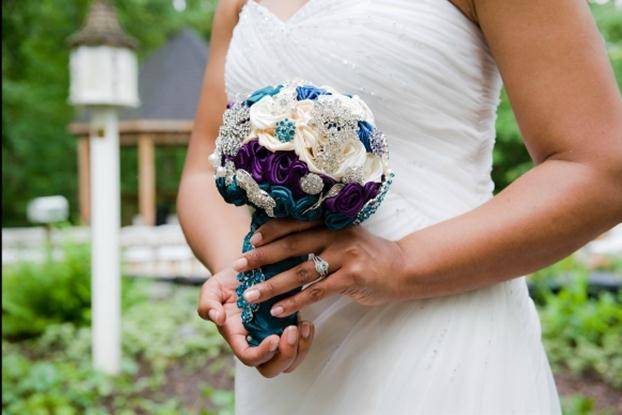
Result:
pixel 162 252
pixel 147 251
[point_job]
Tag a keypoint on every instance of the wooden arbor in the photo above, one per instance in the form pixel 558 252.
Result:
pixel 169 84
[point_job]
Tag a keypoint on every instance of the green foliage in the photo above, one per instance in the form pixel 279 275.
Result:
pixel 579 405
pixel 52 374
pixel 35 296
pixel 38 154
pixel 580 333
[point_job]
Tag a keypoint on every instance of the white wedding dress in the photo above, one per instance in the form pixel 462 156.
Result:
pixel 426 72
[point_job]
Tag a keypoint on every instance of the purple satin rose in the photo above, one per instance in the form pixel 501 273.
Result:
pixel 276 167
pixel 283 168
pixel 244 158
pixel 349 201
pixel 259 162
pixel 372 189
pixel 352 198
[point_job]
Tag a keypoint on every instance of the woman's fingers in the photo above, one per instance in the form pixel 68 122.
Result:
pixel 307 331
pixel 210 302
pixel 298 276
pixel 278 228
pixel 287 352
pixel 315 292
pixel 249 355
pixel 300 243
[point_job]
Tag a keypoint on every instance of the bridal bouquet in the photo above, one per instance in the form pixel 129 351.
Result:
pixel 302 152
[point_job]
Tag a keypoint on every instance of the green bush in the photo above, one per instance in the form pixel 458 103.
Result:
pixel 36 295
pixel 581 333
pixel 579 405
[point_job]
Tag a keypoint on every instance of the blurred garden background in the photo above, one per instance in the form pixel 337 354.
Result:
pixel 173 363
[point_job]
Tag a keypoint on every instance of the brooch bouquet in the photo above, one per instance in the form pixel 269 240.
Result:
pixel 302 152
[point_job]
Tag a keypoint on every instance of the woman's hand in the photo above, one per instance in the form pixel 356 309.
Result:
pixel 361 265
pixel 273 355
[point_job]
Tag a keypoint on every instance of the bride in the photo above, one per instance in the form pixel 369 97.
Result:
pixel 425 309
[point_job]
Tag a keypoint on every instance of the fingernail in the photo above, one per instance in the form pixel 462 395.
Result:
pixel 213 315
pixel 305 330
pixel 275 311
pixel 239 264
pixel 292 335
pixel 250 295
pixel 256 238
pixel 274 345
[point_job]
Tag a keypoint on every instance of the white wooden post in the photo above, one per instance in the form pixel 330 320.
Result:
pixel 103 79
pixel 105 223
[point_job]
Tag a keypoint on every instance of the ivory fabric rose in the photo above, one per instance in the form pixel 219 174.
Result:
pixel 265 113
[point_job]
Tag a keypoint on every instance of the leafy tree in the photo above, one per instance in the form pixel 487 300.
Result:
pixel 38 153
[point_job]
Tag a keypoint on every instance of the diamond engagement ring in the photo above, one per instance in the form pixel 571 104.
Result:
pixel 321 266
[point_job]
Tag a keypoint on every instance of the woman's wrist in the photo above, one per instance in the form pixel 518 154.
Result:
pixel 412 270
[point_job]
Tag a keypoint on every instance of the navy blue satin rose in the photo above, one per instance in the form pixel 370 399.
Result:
pixel 284 201
pixel 309 92
pixel 301 209
pixel 232 193
pixel 336 220
pixel 364 132
pixel 260 93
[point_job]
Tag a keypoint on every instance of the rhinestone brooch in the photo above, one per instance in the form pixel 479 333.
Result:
pixel 311 184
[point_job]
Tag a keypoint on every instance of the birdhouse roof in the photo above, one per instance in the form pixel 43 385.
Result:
pixel 102 28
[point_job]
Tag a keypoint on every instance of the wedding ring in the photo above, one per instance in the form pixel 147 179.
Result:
pixel 321 266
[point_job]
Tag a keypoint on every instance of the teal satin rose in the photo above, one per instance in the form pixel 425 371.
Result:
pixel 302 205
pixel 335 220
pixel 232 193
pixel 284 201
pixel 260 93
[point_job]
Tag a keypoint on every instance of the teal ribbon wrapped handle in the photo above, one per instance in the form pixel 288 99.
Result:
pixel 256 317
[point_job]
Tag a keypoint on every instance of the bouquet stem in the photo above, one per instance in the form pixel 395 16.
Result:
pixel 256 317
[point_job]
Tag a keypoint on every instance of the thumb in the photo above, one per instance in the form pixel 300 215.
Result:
pixel 210 302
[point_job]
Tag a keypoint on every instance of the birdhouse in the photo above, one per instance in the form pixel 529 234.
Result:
pixel 103 65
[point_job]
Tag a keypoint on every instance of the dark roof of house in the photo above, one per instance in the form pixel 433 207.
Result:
pixel 169 80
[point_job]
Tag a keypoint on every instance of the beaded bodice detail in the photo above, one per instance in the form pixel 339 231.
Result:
pixel 423 68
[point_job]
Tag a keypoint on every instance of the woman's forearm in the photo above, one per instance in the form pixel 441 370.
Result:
pixel 213 229
pixel 542 217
